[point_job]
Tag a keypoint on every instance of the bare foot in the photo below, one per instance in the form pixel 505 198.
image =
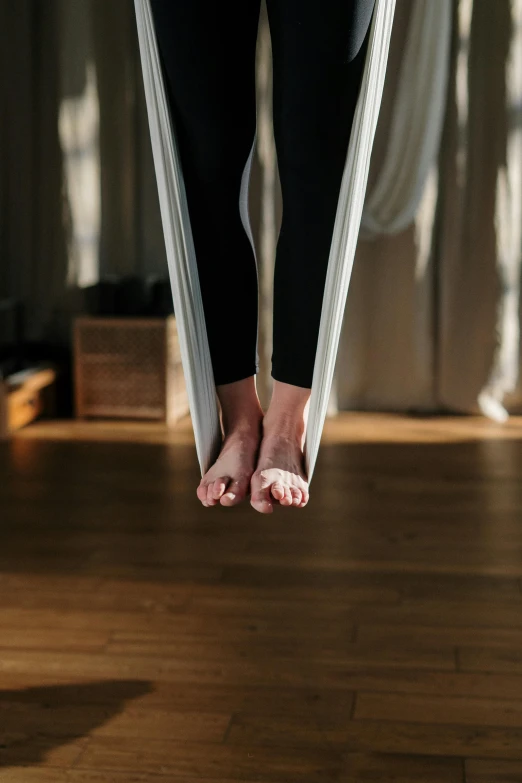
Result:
pixel 280 475
pixel 228 480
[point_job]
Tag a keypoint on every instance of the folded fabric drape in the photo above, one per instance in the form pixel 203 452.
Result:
pixel 179 244
pixel 416 121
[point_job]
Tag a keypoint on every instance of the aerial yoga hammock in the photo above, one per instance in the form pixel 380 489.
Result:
pixel 183 271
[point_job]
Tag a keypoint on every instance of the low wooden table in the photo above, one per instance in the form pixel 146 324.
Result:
pixel 24 396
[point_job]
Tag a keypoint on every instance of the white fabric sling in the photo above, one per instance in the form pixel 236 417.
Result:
pixel 188 306
pixel 181 256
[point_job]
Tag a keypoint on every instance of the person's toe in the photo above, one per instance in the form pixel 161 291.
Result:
pixel 219 486
pixel 262 502
pixel 236 492
pixel 210 495
pixel 202 492
pixel 297 496
pixel 286 500
pixel 278 490
pixel 260 494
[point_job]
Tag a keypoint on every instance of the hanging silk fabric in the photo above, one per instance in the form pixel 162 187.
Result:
pixel 188 306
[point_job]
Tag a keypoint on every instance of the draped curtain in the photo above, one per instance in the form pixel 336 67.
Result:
pixel 433 313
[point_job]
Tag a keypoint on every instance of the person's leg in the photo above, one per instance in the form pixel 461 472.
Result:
pixel 208 58
pixel 319 49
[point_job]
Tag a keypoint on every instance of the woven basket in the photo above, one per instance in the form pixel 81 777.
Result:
pixel 128 368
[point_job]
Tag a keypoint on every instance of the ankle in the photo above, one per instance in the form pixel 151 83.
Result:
pixel 241 412
pixel 283 426
pixel 243 426
pixel 287 414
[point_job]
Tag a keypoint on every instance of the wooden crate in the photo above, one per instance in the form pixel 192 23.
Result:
pixel 128 368
pixel 24 397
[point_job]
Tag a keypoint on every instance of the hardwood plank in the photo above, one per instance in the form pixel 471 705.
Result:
pixel 16 617
pixel 302 644
pixel 490 614
pixel 373 768
pixel 491 659
pixel 170 600
pixel 407 585
pixel 434 739
pixel 33 775
pixel 165 724
pixel 454 636
pixel 186 759
pixel 207 595
pixel 52 583
pixel 256 669
pixel 305 731
pixel 34 721
pixel 486 771
pixel 179 623
pixel 53 775
pixel 461 710
pixel 83 640
pixel 21 750
pixel 415 561
pixel 58 692
pixel 386 737
pixel 481 685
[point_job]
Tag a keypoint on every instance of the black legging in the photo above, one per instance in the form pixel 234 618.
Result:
pixel 208 53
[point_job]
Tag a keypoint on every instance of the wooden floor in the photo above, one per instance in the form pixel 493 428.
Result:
pixel 373 637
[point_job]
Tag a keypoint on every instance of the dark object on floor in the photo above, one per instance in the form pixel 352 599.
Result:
pixel 18 355
pixel 130 296
pixel 160 298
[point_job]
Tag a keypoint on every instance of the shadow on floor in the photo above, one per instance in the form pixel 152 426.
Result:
pixel 36 721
